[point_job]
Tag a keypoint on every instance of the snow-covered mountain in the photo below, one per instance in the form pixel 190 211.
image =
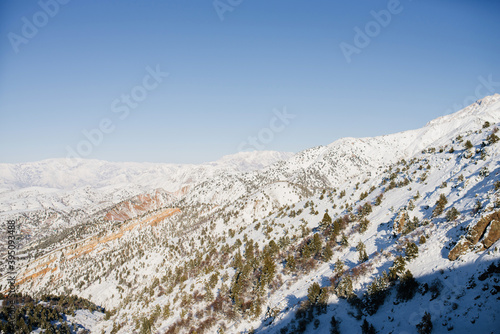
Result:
pixel 398 233
pixel 76 173
pixel 53 194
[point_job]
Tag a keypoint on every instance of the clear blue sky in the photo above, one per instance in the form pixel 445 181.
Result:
pixel 227 76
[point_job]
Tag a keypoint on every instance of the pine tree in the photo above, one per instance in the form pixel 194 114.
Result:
pixel 363 225
pixel 397 268
pixel 313 293
pixel 425 326
pixel 268 270
pixel 492 138
pixel 365 210
pixel 452 214
pixel 291 263
pixel 337 226
pixel 327 253
pixel 377 292
pixel 440 205
pixel 249 251
pixel 367 328
pixel 407 286
pixel 344 288
pixel 361 248
pixel 166 311
pixel 237 261
pixel 344 241
pixel 468 145
pixel 326 221
pixel 316 244
pixel 145 326
pixel 334 329
pixel 411 251
pixel 339 267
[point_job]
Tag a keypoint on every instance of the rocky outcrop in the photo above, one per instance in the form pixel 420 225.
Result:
pixel 485 232
pixel 49 263
pixel 139 205
pixel 492 234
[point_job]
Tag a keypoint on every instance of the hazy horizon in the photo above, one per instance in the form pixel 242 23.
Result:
pixel 90 78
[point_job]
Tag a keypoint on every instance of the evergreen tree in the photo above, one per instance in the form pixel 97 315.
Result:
pixel 363 225
pixel 344 241
pixel 407 286
pixel 326 221
pixel 339 267
pixel 440 205
pixel 337 226
pixel 334 329
pixel 237 261
pixel 377 292
pixel 361 248
pixel 344 288
pixel 268 270
pixel 145 326
pixel 291 263
pixel 425 326
pixel 367 328
pixel 316 244
pixel 492 138
pixel 249 251
pixel 327 253
pixel 411 251
pixel 452 214
pixel 397 268
pixel 365 210
pixel 313 293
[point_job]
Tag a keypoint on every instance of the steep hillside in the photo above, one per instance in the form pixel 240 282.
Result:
pixel 396 234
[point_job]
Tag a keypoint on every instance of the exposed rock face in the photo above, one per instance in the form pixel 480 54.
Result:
pixel 486 230
pixel 401 221
pixel 139 205
pixel 493 234
pixel 462 247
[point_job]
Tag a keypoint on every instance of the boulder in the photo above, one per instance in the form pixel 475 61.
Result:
pixel 492 234
pixel 486 230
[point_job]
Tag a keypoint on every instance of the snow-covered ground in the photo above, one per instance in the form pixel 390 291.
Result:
pixel 136 268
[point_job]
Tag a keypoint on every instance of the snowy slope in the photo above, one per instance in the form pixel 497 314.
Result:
pixel 177 267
